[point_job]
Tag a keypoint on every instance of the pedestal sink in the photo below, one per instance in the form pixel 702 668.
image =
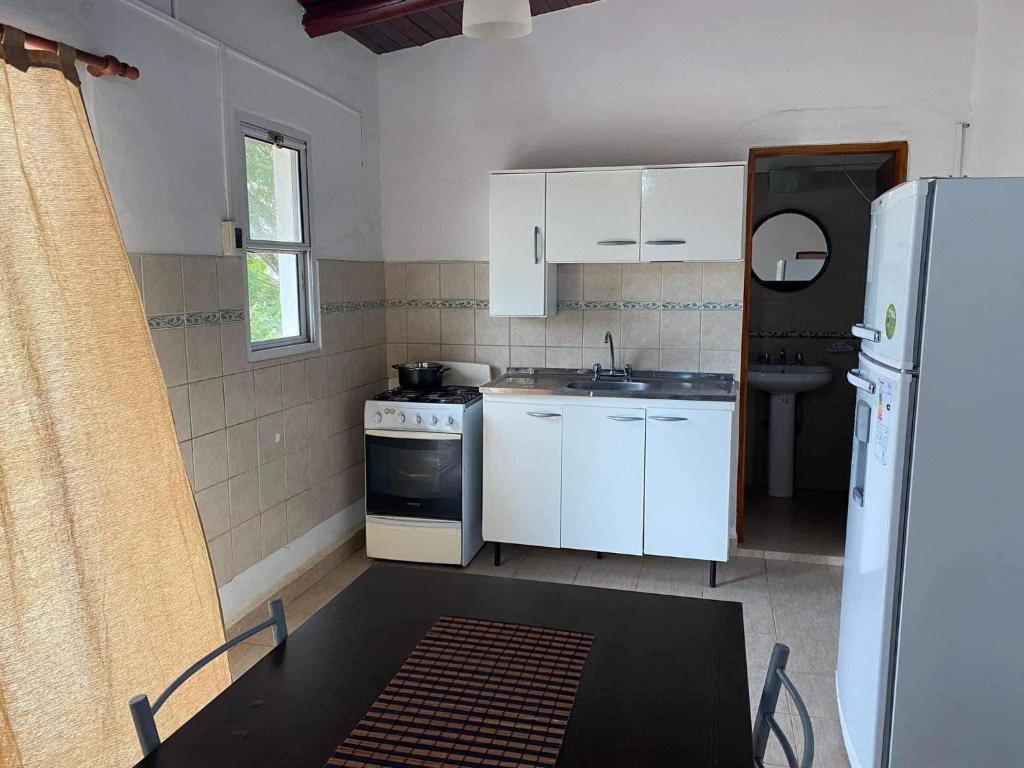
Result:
pixel 783 383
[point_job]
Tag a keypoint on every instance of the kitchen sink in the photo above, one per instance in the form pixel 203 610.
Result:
pixel 610 386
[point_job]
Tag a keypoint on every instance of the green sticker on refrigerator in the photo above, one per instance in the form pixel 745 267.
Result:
pixel 890 321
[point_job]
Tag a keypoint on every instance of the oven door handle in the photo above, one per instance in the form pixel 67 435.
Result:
pixel 397 434
pixel 397 521
pixel 415 475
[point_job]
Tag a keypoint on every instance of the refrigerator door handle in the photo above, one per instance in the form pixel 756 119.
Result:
pixel 860 382
pixel 862 331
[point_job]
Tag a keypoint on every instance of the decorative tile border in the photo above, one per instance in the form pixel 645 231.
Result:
pixel 330 307
pixel 439 303
pixel 792 334
pixel 192 319
pixel 723 306
pixel 652 306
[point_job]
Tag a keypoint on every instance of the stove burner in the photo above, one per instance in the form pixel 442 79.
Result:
pixel 446 395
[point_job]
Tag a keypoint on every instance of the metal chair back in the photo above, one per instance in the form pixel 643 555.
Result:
pixel 765 723
pixel 143 713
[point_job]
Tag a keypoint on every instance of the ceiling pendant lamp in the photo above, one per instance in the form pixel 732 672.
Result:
pixel 496 19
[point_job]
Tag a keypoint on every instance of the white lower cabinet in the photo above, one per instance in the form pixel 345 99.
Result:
pixel 687 484
pixel 639 479
pixel 522 473
pixel 603 479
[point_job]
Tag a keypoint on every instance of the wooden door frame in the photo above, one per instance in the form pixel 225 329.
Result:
pixel 892 172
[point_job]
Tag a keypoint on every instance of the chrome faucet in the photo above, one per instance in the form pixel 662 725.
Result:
pixel 611 345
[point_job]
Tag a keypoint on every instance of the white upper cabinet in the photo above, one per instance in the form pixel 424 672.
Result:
pixel 542 218
pixel 593 216
pixel 693 214
pixel 522 284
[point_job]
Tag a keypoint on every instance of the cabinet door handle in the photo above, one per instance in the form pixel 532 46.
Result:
pixel 626 418
pixel 536 245
pixel 665 242
pixel 668 418
pixel 541 415
pixel 616 242
pixel 862 331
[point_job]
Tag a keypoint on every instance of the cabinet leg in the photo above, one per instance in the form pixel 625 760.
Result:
pixel 497 554
pixel 600 555
pixel 713 574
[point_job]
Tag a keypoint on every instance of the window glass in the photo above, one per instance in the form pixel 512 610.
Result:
pixel 275 296
pixel 272 177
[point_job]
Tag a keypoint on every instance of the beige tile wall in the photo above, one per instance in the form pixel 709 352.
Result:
pixel 677 339
pixel 272 449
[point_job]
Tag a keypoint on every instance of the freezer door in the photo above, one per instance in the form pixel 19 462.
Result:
pixel 873 534
pixel 892 298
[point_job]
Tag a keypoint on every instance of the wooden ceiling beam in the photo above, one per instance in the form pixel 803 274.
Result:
pixel 343 15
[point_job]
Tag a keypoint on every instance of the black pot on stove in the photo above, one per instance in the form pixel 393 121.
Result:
pixel 420 375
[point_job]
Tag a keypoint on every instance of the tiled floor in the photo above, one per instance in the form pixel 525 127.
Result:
pixel 790 602
pixel 809 523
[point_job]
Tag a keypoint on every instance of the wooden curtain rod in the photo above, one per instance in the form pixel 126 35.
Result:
pixel 97 66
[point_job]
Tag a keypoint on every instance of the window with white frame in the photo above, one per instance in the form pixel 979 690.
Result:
pixel 280 275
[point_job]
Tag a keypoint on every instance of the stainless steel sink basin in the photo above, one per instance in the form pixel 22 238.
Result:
pixel 610 386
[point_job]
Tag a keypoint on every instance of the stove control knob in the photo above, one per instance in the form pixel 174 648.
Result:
pixel 433 419
pixel 450 421
pixel 402 418
pixel 419 419
pixel 379 417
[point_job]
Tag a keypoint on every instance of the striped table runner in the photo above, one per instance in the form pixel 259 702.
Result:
pixel 473 693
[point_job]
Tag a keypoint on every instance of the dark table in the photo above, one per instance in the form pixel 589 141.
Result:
pixel 665 682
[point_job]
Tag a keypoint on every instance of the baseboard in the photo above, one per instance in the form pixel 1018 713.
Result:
pixel 254 586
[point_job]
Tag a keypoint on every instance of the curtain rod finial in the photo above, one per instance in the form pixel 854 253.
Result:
pixel 113 66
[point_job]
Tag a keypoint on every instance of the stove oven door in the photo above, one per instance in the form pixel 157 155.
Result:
pixel 414 475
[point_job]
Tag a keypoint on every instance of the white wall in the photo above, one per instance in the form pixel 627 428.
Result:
pixel 996 137
pixel 162 139
pixel 657 81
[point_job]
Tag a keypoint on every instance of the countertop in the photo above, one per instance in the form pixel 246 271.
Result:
pixel 664 385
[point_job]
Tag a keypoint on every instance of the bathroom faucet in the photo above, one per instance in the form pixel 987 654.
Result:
pixel 611 346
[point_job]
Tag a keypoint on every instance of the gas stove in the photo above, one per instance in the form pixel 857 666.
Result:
pixel 436 410
pixel 424 472
pixel 445 395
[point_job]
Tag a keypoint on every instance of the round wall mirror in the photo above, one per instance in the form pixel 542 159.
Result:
pixel 790 251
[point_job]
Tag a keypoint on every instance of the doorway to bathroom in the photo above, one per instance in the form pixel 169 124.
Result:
pixel 808 232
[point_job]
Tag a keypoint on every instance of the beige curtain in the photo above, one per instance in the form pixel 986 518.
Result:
pixel 106 588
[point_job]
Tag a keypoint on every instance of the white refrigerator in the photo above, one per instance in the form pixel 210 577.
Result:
pixel 931 642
